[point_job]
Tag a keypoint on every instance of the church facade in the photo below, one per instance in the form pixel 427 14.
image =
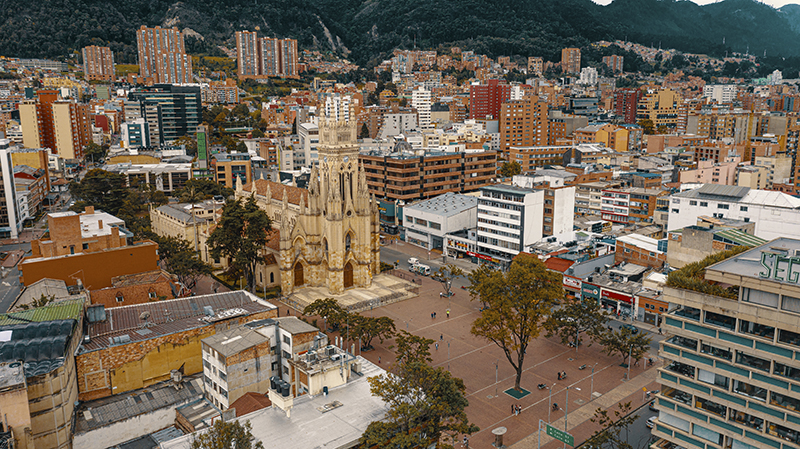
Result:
pixel 327 235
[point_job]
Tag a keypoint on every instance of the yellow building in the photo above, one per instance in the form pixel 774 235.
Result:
pixel 614 137
pixel 660 107
pixel 175 220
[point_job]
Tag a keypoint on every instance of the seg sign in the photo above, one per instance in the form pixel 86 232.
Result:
pixel 780 267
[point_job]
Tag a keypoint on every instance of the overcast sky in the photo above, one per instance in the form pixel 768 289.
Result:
pixel 775 3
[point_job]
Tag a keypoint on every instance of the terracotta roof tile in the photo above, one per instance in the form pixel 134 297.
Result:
pixel 293 194
pixel 249 403
pixel 558 264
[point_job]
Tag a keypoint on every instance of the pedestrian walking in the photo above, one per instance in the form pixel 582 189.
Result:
pixel 465 442
pixel 441 337
pixel 448 313
pixel 513 409
pixel 519 408
pixel 437 346
pixel 659 331
pixel 379 360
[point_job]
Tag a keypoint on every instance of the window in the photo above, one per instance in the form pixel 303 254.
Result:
pixel 784 401
pixel 712 378
pixel 85 246
pixel 677 395
pixel 120 298
pixel 743 208
pixel 788 337
pixel 272 278
pixel 286 370
pixel 791 304
pixel 746 419
pixel 709 406
pixel 751 391
pixel 722 206
pixel 434 225
pixel 223 376
pixel 716 352
pixel 151 295
pixel 783 432
pixel 756 329
pixel 760 297
pixel 689 312
pixel 703 204
pixel 687 343
pixel 787 371
pixel 693 203
pixel 752 361
pixel 720 320
pixel 676 211
pixel 286 355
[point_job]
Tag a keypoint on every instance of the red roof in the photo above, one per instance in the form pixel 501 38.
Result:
pixel 558 264
pixel 249 403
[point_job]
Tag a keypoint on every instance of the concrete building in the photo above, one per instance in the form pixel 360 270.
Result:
pixel 118 357
pixel 165 177
pixel 61 125
pixel 162 55
pixel 660 107
pixel 230 168
pixel 640 250
pixel 626 104
pixel 248 55
pixel 309 140
pixel 10 217
pixel 428 222
pixel 243 359
pixel 524 123
pixel 720 93
pixel 571 60
pixel 86 249
pixel 588 76
pixel 333 381
pixel 729 376
pixel 38 388
pixel 179 220
pixel 485 99
pixel 406 176
pixel 709 236
pixel 535 65
pixel 421 101
pixel 614 62
pixel 98 64
pixel 775 214
pixel 509 219
pixel 709 172
pixel 136 134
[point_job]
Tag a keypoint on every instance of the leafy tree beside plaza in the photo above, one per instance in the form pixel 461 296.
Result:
pixel 353 327
pixel 446 274
pixel 515 303
pixel 426 404
pixel 624 342
pixel 577 318
pixel 329 309
pixel 225 435
pixel 615 429
pixel 204 187
pixel 241 233
pixel 180 259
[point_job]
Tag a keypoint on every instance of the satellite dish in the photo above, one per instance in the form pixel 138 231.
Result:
pixel 144 315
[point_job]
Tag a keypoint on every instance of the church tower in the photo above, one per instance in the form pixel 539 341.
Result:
pixel 334 241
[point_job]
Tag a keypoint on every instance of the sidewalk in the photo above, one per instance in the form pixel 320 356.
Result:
pixel 433 258
pixel 579 423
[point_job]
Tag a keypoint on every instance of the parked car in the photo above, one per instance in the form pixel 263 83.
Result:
pixel 652 406
pixel 634 330
pixel 413 261
pixel 651 421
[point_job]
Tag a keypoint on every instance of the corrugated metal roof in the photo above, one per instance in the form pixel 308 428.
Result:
pixel 723 190
pixel 63 310
pixel 741 238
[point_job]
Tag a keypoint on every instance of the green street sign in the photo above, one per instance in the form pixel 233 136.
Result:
pixel 560 435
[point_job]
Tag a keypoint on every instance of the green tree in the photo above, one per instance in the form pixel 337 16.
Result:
pixel 515 304
pixel 241 147
pixel 94 152
pixel 364 134
pixel 104 190
pixel 509 169
pixel 409 347
pixel 206 187
pixel 241 233
pixel 446 274
pixel 192 194
pixel 189 142
pixel 366 328
pixel 329 309
pixel 647 126
pixel 426 404
pixel 614 428
pixel 574 318
pixel 624 342
pixel 257 133
pixel 180 259
pixel 225 435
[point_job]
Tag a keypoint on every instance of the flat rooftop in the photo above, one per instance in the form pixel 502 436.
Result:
pixel 312 425
pixel 445 205
pixel 761 262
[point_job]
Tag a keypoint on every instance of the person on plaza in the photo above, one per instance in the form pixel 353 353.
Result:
pixel 434 315
pixel 379 360
pixel 448 313
pixel 465 442
pixel 437 346
pixel 441 337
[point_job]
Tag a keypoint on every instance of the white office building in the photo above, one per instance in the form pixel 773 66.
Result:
pixel 427 222
pixel 9 208
pixel 308 134
pixel 775 214
pixel 421 101
pixel 720 93
pixel 588 76
pixel 338 106
pixel 509 219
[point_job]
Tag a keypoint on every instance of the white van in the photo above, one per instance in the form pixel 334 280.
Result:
pixel 413 261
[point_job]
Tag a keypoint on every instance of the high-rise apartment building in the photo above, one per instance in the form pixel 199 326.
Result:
pixel 626 102
pixel 421 101
pixel 485 99
pixel 524 123
pixel 98 63
pixel 730 375
pixel 170 111
pixel 63 126
pixel 247 55
pixel 614 62
pixel 10 220
pixel 571 60
pixel 162 55
pixel 660 107
pixel 535 65
pixel 265 57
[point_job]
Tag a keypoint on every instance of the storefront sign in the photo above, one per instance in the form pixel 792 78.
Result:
pixel 572 283
pixel 780 267
pixel 606 294
pixel 590 291
pixel 482 257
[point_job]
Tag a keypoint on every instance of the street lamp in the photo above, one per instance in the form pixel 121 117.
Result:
pixel 591 390
pixel 495 376
pixel 566 414
pixel 550 403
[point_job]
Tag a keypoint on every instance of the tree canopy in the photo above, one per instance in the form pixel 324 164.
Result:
pixel 509 169
pixel 104 190
pixel 426 404
pixel 515 304
pixel 241 233
pixel 624 342
pixel 226 435
pixel 576 319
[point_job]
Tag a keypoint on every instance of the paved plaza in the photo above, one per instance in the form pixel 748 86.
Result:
pixel 474 360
